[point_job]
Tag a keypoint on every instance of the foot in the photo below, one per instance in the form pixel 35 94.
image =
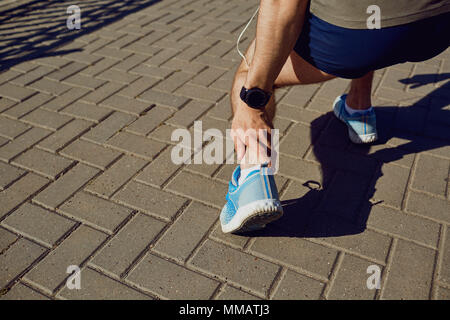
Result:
pixel 252 204
pixel 362 128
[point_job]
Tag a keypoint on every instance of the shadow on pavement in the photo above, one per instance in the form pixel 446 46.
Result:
pixel 342 203
pixel 36 29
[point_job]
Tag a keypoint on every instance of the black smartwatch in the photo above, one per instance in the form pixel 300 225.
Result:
pixel 255 98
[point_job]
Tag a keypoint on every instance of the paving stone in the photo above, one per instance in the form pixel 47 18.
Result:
pixel 368 243
pixel 159 170
pixel 130 62
pixel 66 71
pixel 161 204
pixel 51 61
pixel 42 162
pixel 164 133
pixel 186 116
pixel 299 169
pixel 27 106
pixel 65 99
pixel 443 293
pixel 49 86
pixel 215 61
pixel 140 48
pixel 126 246
pixel 221 110
pixel 351 280
pixel 431 174
pixel 117 76
pixel 173 82
pixel 86 111
pixel 295 286
pixel 169 280
pixel 17 259
pixel 163 99
pixel 206 190
pixel 8 174
pixel 105 91
pixel 84 81
pixel 159 68
pixel 135 89
pixel 183 236
pixel 83 57
pixel 112 53
pixel 11 128
pixel 444 273
pixel 65 186
pixel 398 223
pixel 200 93
pixel 46 119
pixel 6 103
pixel 95 211
pixel 190 67
pixel 37 223
pixel 136 145
pixel 3 141
pixel 428 206
pixel 232 240
pixel 145 70
pixel 21 292
pixel 391 186
pixel 300 96
pixel 210 259
pixel 161 57
pixel 116 176
pixel 92 154
pixel 123 104
pixel 411 272
pixel 321 105
pixel 64 135
pixel 8 75
pixel 152 119
pixel 108 127
pixel 96 286
pixel 19 191
pixel 297 253
pixel 15 92
pixel 7 238
pixel 297 141
pixel 230 293
pixel 51 271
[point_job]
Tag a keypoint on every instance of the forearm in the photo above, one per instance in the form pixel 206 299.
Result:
pixel 279 25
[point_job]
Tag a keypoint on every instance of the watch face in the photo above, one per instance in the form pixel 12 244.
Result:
pixel 256 97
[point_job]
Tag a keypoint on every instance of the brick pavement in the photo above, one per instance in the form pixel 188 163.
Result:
pixel 86 178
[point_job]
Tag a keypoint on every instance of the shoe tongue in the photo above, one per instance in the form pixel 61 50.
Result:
pixel 235 176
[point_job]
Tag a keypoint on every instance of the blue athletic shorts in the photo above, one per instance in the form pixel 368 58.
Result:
pixel 351 53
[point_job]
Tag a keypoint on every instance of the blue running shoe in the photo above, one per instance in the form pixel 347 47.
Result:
pixel 251 205
pixel 362 128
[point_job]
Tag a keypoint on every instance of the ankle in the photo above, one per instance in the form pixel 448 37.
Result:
pixel 358 102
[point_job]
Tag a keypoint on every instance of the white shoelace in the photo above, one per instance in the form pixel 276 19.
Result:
pixel 240 36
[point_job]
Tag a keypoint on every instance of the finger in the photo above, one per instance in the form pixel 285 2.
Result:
pixel 264 137
pixel 251 142
pixel 264 145
pixel 240 149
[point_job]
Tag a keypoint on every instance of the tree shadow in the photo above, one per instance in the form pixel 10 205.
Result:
pixel 38 28
pixel 341 204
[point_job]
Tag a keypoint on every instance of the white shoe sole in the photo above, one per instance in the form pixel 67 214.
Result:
pixel 254 216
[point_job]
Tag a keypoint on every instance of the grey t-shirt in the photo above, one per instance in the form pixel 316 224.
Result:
pixel 353 13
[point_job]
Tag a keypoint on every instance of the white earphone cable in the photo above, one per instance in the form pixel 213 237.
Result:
pixel 242 33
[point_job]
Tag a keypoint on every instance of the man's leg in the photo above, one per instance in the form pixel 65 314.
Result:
pixel 294 72
pixel 359 96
